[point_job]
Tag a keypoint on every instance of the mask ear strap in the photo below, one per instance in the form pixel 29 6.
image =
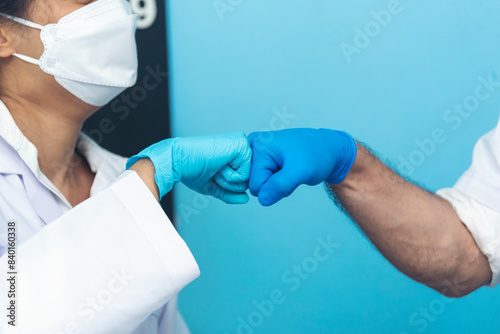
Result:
pixel 27 59
pixel 28 24
pixel 23 21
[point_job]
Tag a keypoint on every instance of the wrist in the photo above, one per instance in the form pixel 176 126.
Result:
pixel 146 171
pixel 345 148
pixel 359 172
pixel 160 157
pixel 358 164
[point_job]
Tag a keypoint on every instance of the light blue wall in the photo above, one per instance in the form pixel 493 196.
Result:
pixel 265 57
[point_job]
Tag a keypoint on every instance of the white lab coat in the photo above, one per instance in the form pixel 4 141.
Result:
pixel 113 264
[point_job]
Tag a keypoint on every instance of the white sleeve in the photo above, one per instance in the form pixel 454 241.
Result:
pixel 103 267
pixel 483 224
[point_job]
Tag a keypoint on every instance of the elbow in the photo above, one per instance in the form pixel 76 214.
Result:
pixel 466 276
pixel 460 270
pixel 450 285
pixel 455 289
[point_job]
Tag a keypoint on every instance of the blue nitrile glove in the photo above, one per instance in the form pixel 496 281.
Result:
pixel 283 160
pixel 218 165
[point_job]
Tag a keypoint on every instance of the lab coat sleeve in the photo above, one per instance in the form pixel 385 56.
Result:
pixel 103 267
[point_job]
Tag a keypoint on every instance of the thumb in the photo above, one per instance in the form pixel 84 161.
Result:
pixel 263 167
pixel 280 185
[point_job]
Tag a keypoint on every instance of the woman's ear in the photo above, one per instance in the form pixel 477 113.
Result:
pixel 6 43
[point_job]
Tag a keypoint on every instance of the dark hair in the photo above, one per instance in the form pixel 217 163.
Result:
pixel 17 8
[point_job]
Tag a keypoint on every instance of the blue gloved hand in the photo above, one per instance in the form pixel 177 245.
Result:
pixel 218 165
pixel 283 160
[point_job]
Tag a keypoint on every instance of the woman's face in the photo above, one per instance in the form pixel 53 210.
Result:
pixel 27 40
pixel 17 38
pixel 51 11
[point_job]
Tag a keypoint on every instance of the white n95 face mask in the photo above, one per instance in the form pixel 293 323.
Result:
pixel 91 52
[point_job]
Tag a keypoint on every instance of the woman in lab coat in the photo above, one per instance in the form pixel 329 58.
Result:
pixel 85 246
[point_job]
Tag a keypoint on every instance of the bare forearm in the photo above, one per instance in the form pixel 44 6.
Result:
pixel 146 171
pixel 418 232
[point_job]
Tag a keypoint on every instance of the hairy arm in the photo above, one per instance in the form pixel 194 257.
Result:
pixel 417 231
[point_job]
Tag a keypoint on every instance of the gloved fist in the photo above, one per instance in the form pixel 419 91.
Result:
pixel 218 165
pixel 283 160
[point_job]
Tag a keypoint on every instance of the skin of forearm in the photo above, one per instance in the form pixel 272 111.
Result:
pixel 417 231
pixel 146 171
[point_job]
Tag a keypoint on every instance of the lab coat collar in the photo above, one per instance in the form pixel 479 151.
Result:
pixel 107 166
pixel 19 156
pixel 18 147
pixel 10 161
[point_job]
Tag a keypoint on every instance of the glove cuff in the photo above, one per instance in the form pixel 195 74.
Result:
pixel 160 155
pixel 348 155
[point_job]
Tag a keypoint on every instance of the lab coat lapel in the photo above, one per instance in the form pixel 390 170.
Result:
pixel 41 197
